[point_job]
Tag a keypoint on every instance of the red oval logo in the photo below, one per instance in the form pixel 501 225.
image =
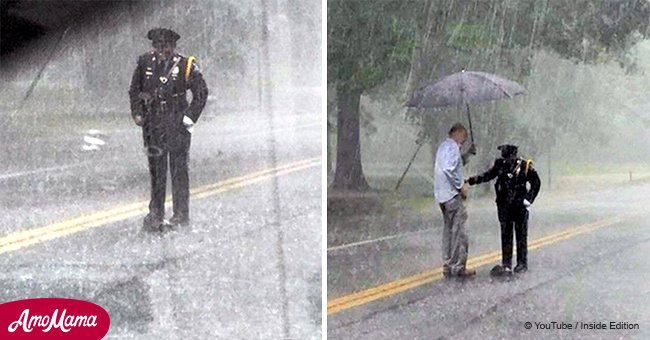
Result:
pixel 53 318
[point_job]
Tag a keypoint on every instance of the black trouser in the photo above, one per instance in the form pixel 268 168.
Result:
pixel 513 217
pixel 178 157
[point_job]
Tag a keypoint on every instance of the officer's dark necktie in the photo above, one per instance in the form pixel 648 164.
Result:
pixel 162 67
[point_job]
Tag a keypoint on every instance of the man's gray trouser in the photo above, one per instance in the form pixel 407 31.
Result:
pixel 455 243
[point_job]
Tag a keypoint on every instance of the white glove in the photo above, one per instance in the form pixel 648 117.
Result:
pixel 527 204
pixel 189 124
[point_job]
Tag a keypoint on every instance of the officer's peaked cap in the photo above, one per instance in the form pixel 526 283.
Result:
pixel 508 149
pixel 163 34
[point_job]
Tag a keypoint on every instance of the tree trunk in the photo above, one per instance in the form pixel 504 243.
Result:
pixel 349 172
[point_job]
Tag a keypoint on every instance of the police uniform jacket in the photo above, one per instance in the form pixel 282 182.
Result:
pixel 513 175
pixel 158 94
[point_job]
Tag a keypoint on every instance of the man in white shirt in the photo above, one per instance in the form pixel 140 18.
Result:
pixel 450 191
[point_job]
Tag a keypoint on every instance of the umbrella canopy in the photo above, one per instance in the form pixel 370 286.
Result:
pixel 462 88
pixel 465 87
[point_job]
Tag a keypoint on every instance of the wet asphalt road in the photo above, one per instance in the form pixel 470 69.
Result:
pixel 247 268
pixel 599 276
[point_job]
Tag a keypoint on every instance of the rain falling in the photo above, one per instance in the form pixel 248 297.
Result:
pixel 78 175
pixel 528 219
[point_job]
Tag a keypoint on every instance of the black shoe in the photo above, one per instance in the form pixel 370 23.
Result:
pixel 179 220
pixel 521 268
pixel 152 222
pixel 500 270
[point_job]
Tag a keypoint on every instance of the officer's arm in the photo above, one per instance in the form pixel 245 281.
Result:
pixel 535 184
pixel 484 177
pixel 199 89
pixel 137 106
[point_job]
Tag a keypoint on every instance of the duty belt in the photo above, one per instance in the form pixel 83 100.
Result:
pixel 164 98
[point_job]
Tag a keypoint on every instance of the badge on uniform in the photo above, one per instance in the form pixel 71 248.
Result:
pixel 163 80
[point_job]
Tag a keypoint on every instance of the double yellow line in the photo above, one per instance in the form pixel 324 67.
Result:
pixel 25 238
pixel 342 303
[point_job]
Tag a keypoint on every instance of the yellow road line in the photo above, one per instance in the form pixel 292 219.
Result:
pixel 25 238
pixel 342 303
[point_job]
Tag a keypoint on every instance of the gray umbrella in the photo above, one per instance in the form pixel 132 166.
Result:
pixel 465 88
pixel 462 88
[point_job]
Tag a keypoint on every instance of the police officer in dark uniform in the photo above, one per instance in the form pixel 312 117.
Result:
pixel 513 174
pixel 160 106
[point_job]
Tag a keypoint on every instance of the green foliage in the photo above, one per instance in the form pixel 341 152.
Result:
pixel 403 42
pixel 577 29
pixel 371 41
pixel 470 36
pixel 368 42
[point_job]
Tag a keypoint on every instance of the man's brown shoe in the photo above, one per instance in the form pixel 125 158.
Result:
pixel 467 272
